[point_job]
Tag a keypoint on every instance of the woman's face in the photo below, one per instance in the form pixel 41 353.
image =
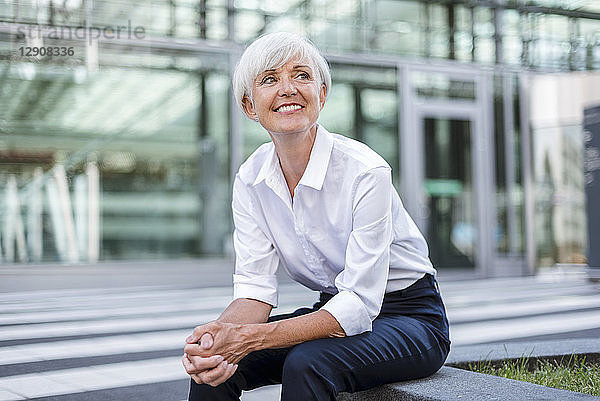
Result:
pixel 288 99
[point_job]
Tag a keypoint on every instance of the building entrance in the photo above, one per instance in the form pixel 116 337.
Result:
pixel 448 166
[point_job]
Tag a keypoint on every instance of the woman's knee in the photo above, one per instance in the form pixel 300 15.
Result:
pixel 305 360
pixel 307 375
pixel 298 361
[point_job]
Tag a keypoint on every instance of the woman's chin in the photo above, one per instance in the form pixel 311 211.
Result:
pixel 291 129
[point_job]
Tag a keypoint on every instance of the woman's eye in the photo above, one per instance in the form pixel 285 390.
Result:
pixel 303 75
pixel 267 80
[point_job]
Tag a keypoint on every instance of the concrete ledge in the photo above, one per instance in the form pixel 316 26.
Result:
pixel 457 384
pixel 460 355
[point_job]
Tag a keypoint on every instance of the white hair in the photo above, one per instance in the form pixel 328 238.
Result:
pixel 271 51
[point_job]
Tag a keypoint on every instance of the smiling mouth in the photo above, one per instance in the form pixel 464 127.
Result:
pixel 288 107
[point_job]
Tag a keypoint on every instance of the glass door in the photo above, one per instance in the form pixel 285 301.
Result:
pixel 448 161
pixel 450 221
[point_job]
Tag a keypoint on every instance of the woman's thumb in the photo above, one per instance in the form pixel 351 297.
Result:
pixel 206 341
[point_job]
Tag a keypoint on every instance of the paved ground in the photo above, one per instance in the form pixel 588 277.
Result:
pixel 115 331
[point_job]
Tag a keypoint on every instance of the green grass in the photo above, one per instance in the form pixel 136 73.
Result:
pixel 572 373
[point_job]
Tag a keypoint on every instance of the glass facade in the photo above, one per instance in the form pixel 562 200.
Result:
pixel 558 156
pixel 141 92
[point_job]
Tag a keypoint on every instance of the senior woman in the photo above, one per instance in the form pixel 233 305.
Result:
pixel 323 207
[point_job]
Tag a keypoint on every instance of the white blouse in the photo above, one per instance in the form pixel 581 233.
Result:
pixel 345 232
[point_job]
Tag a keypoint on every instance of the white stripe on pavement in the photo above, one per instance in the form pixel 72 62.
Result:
pixel 475 333
pixel 520 309
pixel 70 292
pixel 515 283
pixel 21 304
pixel 92 378
pixel 272 392
pixel 469 297
pixel 44 330
pixel 120 292
pixel 9 396
pixel 89 347
pixel 192 306
pixel 118 299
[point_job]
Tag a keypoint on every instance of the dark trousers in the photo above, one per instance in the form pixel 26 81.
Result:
pixel 409 340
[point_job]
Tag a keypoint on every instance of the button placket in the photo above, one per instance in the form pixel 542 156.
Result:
pixel 313 261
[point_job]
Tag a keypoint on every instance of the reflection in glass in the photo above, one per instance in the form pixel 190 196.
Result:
pixel 451 226
pixel 483 39
pixel 559 195
pixel 501 235
pixel 149 133
pixel 380 125
pixel 439 85
pixel 337 114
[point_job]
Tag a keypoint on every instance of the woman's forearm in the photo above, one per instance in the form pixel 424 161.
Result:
pixel 296 330
pixel 245 311
pixel 234 337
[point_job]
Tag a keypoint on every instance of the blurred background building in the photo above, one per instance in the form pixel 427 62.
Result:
pixel 124 145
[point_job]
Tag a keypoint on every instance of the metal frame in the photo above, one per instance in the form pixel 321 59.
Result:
pixel 527 163
pixel 509 142
pixel 480 112
pixel 487 163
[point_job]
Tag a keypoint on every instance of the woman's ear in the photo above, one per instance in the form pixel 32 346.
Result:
pixel 249 108
pixel 323 95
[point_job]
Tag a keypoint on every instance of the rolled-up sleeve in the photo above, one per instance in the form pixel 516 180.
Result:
pixel 256 259
pixel 361 284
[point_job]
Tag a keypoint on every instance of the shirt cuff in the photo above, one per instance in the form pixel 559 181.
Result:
pixel 350 312
pixel 261 288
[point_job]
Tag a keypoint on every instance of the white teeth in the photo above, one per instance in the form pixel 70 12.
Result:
pixel 289 108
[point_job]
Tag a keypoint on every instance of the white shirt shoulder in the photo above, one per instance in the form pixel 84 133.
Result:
pixel 355 157
pixel 250 169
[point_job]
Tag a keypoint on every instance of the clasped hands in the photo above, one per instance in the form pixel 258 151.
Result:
pixel 213 350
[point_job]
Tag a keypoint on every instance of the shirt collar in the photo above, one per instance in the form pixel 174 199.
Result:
pixel 314 175
pixel 318 161
pixel 269 167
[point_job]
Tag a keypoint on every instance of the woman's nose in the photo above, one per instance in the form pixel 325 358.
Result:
pixel 287 87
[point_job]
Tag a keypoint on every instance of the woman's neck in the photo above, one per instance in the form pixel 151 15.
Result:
pixel 293 151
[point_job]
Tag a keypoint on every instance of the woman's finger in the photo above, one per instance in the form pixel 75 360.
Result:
pixel 187 365
pixel 196 379
pixel 225 370
pixel 195 349
pixel 231 368
pixel 200 364
pixel 210 376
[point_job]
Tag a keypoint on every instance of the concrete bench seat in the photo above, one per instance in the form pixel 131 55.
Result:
pixel 457 384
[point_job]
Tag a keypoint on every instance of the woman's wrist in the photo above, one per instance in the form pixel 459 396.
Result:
pixel 255 336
